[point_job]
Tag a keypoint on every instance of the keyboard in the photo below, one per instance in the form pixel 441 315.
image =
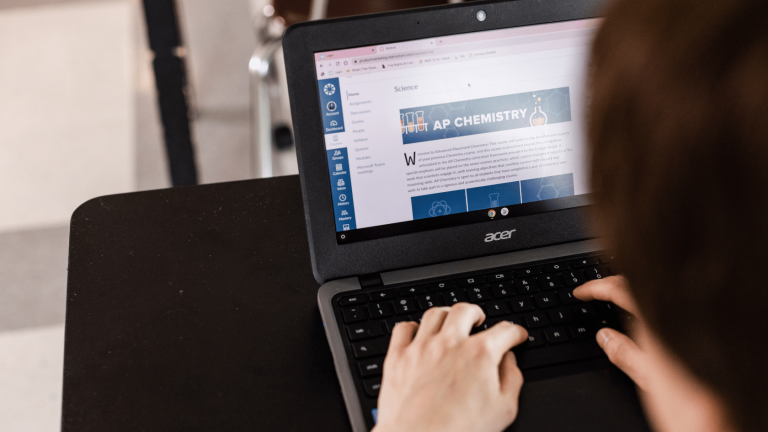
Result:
pixel 538 296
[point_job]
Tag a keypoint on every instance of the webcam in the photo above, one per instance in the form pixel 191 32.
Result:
pixel 481 15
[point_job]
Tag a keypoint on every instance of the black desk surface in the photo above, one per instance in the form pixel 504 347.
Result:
pixel 195 309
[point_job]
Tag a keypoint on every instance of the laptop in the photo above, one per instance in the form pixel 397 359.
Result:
pixel 442 159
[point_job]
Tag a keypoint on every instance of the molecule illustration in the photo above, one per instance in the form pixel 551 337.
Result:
pixel 439 208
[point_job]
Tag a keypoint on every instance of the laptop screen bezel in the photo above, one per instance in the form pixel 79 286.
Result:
pixel 331 260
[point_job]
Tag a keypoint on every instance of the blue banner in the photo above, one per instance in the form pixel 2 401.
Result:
pixel 330 106
pixel 341 189
pixel 477 116
pixel 492 196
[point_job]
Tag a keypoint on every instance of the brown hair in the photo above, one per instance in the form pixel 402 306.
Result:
pixel 679 155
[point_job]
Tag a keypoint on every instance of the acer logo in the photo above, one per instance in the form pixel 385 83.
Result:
pixel 501 235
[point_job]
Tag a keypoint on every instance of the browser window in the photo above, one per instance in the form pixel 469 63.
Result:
pixel 453 130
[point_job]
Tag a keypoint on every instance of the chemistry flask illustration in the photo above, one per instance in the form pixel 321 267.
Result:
pixel 538 118
pixel 494 199
pixel 412 122
pixel 439 208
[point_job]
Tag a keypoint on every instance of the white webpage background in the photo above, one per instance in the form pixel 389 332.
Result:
pixel 372 121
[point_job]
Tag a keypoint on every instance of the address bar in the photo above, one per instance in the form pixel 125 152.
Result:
pixel 396 56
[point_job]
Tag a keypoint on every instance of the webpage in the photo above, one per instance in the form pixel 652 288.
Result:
pixel 437 127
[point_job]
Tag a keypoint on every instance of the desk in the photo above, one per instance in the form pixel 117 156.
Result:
pixel 195 309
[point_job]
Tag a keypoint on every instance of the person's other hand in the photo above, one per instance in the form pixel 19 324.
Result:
pixel 620 349
pixel 673 398
pixel 439 378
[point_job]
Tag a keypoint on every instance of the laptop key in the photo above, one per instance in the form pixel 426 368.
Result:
pixel 405 306
pixel 583 312
pixel 371 348
pixel 412 291
pixel 474 280
pixel 497 308
pixel 372 386
pixel 353 314
pixel 390 323
pixel 552 268
pixel 573 278
pixel 366 330
pixel 561 316
pixel 534 340
pixel 444 285
pixel 608 322
pixel 548 282
pixel 371 367
pixel 605 309
pixel 526 272
pixel 500 276
pixel 521 304
pixel 536 320
pixel 581 331
pixel 556 335
pixel 383 295
pixel 545 300
pixel 454 296
pixel 379 310
pixel 501 290
pixel 583 262
pixel 598 272
pixel 427 301
pixel 477 294
pixel 566 297
pixel 526 286
pixel 484 326
pixel 353 300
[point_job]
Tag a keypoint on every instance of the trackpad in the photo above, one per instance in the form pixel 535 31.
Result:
pixel 594 401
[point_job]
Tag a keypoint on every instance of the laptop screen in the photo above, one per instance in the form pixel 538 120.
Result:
pixel 453 130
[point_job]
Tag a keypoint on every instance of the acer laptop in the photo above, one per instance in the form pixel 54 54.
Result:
pixel 442 160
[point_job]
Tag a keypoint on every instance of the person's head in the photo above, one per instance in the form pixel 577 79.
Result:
pixel 678 131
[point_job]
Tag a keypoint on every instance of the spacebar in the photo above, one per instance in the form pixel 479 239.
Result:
pixel 553 354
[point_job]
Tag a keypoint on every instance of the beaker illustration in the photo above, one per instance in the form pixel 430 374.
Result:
pixel 409 116
pixel 402 126
pixel 494 199
pixel 538 118
pixel 420 120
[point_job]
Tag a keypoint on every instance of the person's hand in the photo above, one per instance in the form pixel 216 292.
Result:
pixel 620 349
pixel 439 378
pixel 674 399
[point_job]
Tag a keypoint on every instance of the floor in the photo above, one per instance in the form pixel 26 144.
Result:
pixel 78 119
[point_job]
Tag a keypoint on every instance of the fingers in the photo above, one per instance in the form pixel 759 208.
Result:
pixel 499 339
pixel 511 378
pixel 461 318
pixel 431 322
pixel 402 335
pixel 612 289
pixel 625 354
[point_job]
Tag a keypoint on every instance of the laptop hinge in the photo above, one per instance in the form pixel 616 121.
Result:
pixel 370 280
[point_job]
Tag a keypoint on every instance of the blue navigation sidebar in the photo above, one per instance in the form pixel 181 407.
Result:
pixel 341 189
pixel 330 106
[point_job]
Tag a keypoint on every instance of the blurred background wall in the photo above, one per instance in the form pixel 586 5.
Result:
pixel 79 118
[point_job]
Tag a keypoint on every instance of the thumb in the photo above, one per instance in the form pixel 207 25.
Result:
pixel 510 377
pixel 625 354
